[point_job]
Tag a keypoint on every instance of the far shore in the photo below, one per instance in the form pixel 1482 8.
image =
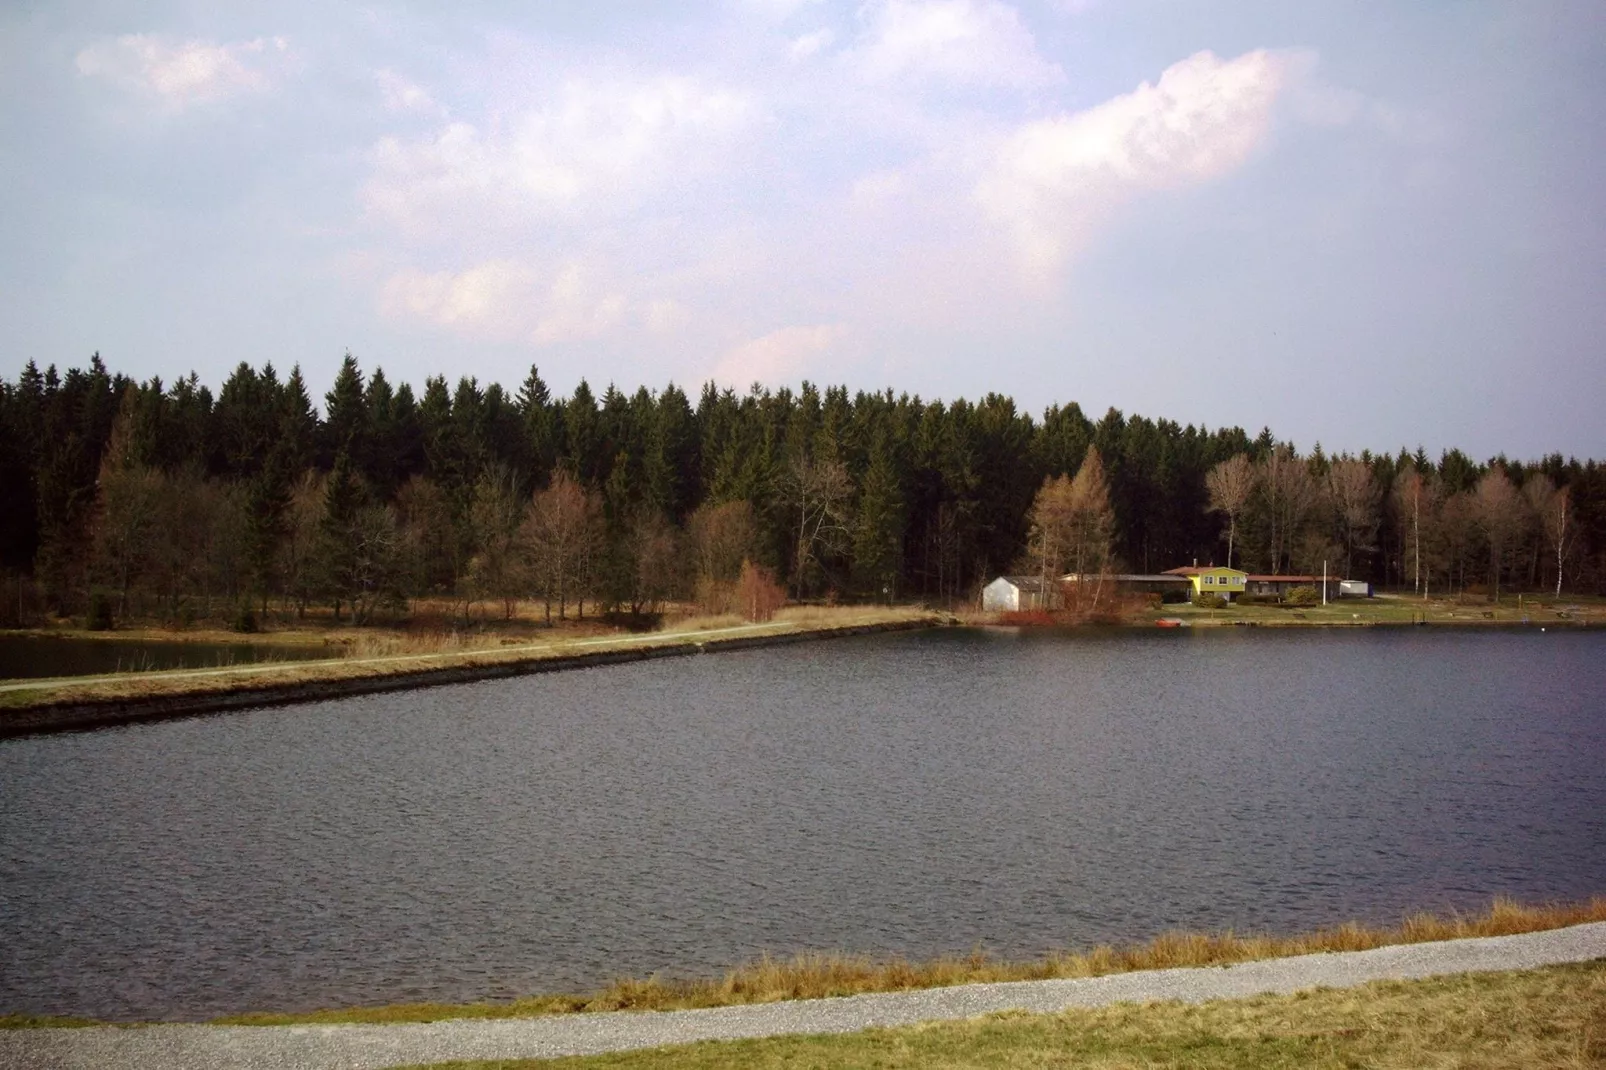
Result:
pixel 381 661
pixel 394 658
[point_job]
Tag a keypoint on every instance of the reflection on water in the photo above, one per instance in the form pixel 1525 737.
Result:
pixel 38 656
pixel 913 794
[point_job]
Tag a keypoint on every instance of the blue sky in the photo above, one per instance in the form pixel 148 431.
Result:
pixel 1369 225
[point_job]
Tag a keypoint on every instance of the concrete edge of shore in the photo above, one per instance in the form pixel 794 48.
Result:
pixel 77 714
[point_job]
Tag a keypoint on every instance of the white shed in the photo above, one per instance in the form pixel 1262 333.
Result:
pixel 1011 594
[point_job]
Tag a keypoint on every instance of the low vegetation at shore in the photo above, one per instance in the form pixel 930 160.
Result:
pixel 373 655
pixel 1546 1018
pixel 1387 609
pixel 816 976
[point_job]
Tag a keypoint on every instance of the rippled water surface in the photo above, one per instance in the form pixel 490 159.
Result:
pixel 912 794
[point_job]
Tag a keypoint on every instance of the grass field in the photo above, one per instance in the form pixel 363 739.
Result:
pixel 1548 1018
pixel 816 976
pixel 1402 609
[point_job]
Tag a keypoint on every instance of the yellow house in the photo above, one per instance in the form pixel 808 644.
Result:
pixel 1226 582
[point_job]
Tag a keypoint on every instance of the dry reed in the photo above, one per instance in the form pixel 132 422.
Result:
pixel 815 976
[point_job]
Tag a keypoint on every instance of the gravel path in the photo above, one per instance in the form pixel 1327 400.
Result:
pixel 371 1047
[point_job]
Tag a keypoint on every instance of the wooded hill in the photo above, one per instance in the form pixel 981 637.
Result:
pixel 166 501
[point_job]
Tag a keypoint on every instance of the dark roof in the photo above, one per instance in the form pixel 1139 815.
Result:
pixel 1289 579
pixel 1027 583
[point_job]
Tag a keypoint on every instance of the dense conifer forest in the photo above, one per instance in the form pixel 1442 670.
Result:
pixel 122 499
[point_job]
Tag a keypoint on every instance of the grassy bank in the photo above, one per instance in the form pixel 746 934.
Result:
pixel 415 660
pixel 1405 609
pixel 817 976
pixel 1547 1018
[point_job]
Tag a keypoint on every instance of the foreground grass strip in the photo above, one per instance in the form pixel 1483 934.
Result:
pixel 1547 1018
pixel 818 976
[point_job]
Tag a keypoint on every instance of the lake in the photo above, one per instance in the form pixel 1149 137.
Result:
pixel 911 794
pixel 34 656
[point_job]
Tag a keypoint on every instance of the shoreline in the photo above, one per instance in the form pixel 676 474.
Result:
pixel 32 707
pixel 76 704
pixel 815 976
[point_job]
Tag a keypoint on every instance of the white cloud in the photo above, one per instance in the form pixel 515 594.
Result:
pixel 593 144
pixel 402 95
pixel 969 42
pixel 506 300
pixel 878 188
pixel 809 44
pixel 775 357
pixel 184 72
pixel 664 315
pixel 775 10
pixel 1054 179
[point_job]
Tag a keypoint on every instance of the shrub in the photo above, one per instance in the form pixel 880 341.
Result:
pixel 758 595
pixel 1028 618
pixel 1257 600
pixel 1209 600
pixel 1304 595
pixel 245 620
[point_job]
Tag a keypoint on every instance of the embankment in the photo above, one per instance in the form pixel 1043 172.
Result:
pixel 30 707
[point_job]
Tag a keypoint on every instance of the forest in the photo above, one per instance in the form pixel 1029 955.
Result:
pixel 126 500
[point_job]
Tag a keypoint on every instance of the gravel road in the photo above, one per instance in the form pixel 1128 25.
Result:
pixel 369 1047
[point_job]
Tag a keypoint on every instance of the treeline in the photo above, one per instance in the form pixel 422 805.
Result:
pixel 156 500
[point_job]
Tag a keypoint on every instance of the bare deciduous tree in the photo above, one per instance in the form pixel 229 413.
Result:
pixel 128 514
pixel 1355 498
pixel 497 569
pixel 1498 513
pixel 299 544
pixel 1230 484
pixel 819 493
pixel 1092 518
pixel 1290 492
pixel 1552 508
pixel 1052 518
pixel 561 528
pixel 655 549
pixel 1416 500
pixel 723 535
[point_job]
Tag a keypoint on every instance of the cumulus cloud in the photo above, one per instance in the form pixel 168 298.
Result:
pixel 593 144
pixel 1054 179
pixel 777 356
pixel 506 300
pixel 968 42
pixel 184 72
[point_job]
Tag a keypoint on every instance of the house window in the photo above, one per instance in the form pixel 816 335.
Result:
pixel 1209 580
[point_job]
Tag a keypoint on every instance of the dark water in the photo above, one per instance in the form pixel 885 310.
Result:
pixel 37 656
pixel 915 794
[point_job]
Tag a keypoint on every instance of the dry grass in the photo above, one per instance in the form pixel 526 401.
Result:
pixel 814 976
pixel 372 654
pixel 1547 1019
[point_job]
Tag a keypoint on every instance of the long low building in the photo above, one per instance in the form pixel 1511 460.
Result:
pixel 1230 582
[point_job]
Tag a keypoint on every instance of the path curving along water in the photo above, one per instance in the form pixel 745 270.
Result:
pixel 374 1047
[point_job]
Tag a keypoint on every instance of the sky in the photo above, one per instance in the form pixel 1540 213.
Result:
pixel 1368 225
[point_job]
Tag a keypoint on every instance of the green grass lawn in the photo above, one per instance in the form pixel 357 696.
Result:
pixel 1548 1018
pixel 1404 609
